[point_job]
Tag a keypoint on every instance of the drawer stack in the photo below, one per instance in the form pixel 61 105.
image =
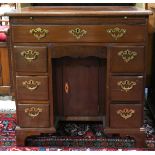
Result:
pixel 126 83
pixel 32 92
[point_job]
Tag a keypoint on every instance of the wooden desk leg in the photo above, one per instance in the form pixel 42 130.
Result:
pixel 23 133
pixel 139 139
pixel 137 134
pixel 21 136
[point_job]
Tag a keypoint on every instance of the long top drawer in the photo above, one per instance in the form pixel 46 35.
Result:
pixel 79 33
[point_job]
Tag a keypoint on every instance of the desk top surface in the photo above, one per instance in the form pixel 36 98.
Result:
pixel 80 11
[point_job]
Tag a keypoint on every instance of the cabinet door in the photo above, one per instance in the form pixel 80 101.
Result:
pixel 81 86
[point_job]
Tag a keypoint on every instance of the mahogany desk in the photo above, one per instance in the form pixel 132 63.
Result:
pixel 82 63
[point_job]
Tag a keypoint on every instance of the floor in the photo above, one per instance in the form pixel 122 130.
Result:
pixel 6 104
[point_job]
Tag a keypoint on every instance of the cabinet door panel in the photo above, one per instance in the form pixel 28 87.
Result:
pixel 81 87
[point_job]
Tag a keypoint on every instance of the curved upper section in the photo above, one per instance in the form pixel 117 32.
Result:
pixel 80 11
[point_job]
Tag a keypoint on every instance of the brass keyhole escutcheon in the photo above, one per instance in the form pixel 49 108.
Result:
pixel 78 33
pixel 66 87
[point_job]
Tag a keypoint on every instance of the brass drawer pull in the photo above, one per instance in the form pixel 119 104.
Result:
pixel 33 112
pixel 126 85
pixel 39 32
pixel 66 87
pixel 30 55
pixel 77 32
pixel 116 32
pixel 127 55
pixel 125 113
pixel 31 85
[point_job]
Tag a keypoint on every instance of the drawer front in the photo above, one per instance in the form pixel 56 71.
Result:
pixel 33 115
pixel 126 88
pixel 32 87
pixel 127 59
pixel 125 116
pixel 30 58
pixel 78 33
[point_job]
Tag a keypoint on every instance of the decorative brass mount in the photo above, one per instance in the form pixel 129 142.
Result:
pixel 126 85
pixel 127 55
pixel 77 32
pixel 30 55
pixel 31 85
pixel 116 32
pixel 33 112
pixel 39 32
pixel 125 113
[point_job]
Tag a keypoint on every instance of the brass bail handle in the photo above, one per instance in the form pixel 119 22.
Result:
pixel 33 111
pixel 66 87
